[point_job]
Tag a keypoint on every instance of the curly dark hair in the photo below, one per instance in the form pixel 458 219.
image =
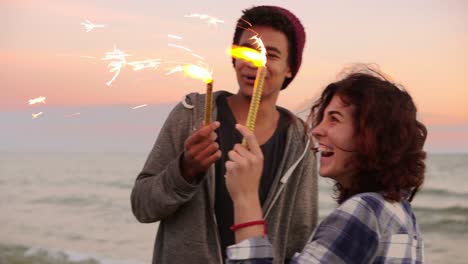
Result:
pixel 272 17
pixel 390 139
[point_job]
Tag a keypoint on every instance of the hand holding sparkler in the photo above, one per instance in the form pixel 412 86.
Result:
pixel 200 152
pixel 245 165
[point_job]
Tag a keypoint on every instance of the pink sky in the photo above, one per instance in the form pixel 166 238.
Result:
pixel 420 44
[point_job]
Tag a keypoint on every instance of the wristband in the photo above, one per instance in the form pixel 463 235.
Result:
pixel 251 223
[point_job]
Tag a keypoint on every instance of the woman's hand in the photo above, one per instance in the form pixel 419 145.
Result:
pixel 243 173
pixel 244 169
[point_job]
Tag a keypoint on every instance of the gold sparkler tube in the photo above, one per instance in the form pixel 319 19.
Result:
pixel 208 102
pixel 255 100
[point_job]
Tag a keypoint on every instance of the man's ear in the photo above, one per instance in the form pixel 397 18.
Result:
pixel 289 73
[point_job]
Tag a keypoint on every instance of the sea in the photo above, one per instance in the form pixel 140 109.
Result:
pixel 75 208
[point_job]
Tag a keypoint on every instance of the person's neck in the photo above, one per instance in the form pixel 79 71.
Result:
pixel 267 115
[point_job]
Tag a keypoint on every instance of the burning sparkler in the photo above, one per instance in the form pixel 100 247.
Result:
pixel 37 100
pixel 200 73
pixel 209 19
pixel 118 61
pixel 259 60
pixel 90 26
pixel 34 116
pixel 140 106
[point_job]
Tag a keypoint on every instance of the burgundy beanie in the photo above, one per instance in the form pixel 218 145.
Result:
pixel 299 41
pixel 296 41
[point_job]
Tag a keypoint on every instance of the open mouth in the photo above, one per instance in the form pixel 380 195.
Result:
pixel 250 77
pixel 325 151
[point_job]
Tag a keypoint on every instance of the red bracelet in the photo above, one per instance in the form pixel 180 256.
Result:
pixel 251 223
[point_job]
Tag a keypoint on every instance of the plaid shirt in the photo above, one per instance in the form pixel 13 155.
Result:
pixel 364 229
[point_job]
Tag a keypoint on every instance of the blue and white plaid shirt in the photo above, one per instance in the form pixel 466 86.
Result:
pixel 364 229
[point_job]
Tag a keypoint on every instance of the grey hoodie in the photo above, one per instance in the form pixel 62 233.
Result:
pixel 187 231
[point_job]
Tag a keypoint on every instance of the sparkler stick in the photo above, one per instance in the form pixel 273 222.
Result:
pixel 259 60
pixel 208 102
pixel 200 73
pixel 255 100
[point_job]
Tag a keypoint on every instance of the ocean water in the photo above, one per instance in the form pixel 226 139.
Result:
pixel 75 208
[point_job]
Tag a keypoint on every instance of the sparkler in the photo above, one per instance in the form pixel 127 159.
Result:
pixel 37 100
pixel 209 19
pixel 200 73
pixel 34 116
pixel 118 61
pixel 259 60
pixel 140 106
pixel 90 26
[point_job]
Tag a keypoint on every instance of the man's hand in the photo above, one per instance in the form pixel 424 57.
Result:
pixel 200 151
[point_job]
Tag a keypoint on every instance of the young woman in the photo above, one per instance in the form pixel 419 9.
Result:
pixel 371 143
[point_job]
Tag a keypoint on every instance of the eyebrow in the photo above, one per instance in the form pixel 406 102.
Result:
pixel 270 48
pixel 331 112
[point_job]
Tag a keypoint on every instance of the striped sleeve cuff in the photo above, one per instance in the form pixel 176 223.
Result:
pixel 253 248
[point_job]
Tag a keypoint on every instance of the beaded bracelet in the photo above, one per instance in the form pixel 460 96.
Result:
pixel 251 223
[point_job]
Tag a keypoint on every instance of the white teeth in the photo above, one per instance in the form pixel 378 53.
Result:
pixel 324 149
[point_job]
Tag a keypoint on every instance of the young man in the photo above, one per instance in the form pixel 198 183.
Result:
pixel 182 184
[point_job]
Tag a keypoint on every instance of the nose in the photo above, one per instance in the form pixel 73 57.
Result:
pixel 242 63
pixel 251 65
pixel 318 131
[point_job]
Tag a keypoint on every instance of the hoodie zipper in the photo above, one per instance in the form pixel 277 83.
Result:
pixel 285 179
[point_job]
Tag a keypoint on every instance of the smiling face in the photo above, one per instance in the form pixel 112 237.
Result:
pixel 277 65
pixel 337 143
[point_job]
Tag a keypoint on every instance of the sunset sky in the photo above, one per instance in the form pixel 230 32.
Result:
pixel 45 51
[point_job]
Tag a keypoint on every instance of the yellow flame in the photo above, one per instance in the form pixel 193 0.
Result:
pixel 197 72
pixel 248 54
pixel 257 58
